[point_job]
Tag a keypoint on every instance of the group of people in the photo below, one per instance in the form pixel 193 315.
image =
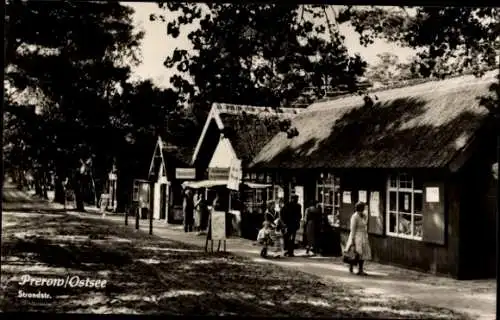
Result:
pixel 195 211
pixel 280 229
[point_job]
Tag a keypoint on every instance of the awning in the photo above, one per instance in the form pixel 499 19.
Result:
pixel 204 184
pixel 257 185
pixel 219 183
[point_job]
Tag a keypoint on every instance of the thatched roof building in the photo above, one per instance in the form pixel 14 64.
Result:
pixel 248 129
pixel 419 126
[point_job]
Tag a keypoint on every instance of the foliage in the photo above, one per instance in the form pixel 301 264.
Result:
pixel 389 70
pixel 449 40
pixel 467 36
pixel 76 57
pixel 257 54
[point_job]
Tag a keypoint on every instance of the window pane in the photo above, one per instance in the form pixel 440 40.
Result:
pixel 405 181
pixel 327 197
pixel 404 224
pixel 419 202
pixel 392 201
pixel 418 223
pixel 418 184
pixel 328 209
pixel 394 182
pixel 392 222
pixel 320 195
pixel 405 202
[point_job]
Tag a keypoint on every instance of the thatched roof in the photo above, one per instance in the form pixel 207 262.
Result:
pixel 424 125
pixel 248 128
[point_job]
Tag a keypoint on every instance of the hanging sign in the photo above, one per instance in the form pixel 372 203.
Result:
pixel 432 194
pixel 362 196
pixel 235 175
pixel 375 204
pixel 346 197
pixel 185 173
pixel 218 173
pixel 218 225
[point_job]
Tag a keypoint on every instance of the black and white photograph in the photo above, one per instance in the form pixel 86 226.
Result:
pixel 256 159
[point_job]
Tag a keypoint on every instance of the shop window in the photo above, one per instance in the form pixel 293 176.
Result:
pixel 327 197
pixel 255 200
pixel 404 207
pixel 275 197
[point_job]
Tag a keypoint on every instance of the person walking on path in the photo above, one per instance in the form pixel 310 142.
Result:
pixel 358 239
pixel 313 220
pixel 291 215
pixel 188 210
pixel 198 221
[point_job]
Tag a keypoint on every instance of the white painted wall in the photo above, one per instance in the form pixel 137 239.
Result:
pixel 156 204
pixel 223 155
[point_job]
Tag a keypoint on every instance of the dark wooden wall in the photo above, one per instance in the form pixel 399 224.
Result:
pixel 437 254
pixel 479 194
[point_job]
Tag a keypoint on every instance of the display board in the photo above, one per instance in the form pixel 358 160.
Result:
pixel 218 225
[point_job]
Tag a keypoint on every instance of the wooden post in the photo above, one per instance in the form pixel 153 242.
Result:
pixel 498 213
pixel 126 216
pixel 137 213
pixel 224 245
pixel 151 206
pixel 150 222
pixel 209 231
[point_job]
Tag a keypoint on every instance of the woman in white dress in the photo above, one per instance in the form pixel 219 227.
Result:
pixel 358 238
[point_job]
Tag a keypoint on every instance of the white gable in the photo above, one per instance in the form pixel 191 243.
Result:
pixel 223 155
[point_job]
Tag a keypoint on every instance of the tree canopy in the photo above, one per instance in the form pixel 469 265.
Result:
pixel 76 58
pixel 257 54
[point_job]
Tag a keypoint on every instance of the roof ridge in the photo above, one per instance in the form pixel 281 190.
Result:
pixel 235 109
pixel 403 84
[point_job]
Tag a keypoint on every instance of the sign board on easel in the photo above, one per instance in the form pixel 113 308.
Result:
pixel 217 230
pixel 218 225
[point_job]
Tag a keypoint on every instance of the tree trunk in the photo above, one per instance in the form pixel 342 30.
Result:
pixel 79 196
pixel 38 184
pixel 59 196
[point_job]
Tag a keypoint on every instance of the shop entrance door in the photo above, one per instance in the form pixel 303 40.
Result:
pixel 163 200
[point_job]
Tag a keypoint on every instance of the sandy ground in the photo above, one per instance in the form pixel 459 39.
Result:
pixel 153 275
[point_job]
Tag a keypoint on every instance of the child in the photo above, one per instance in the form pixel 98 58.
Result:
pixel 264 232
pixel 278 234
pixel 264 237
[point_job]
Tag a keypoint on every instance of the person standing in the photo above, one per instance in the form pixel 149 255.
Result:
pixel 291 215
pixel 198 209
pixel 313 217
pixel 358 239
pixel 188 210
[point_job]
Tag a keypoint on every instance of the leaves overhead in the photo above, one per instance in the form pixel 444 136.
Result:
pixel 257 54
pixel 389 70
pixel 77 56
pixel 449 40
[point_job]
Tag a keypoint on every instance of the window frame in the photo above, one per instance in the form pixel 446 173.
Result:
pixel 396 190
pixel 328 184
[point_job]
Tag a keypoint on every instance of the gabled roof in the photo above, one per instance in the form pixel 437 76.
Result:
pixel 171 156
pixel 251 127
pixel 424 125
